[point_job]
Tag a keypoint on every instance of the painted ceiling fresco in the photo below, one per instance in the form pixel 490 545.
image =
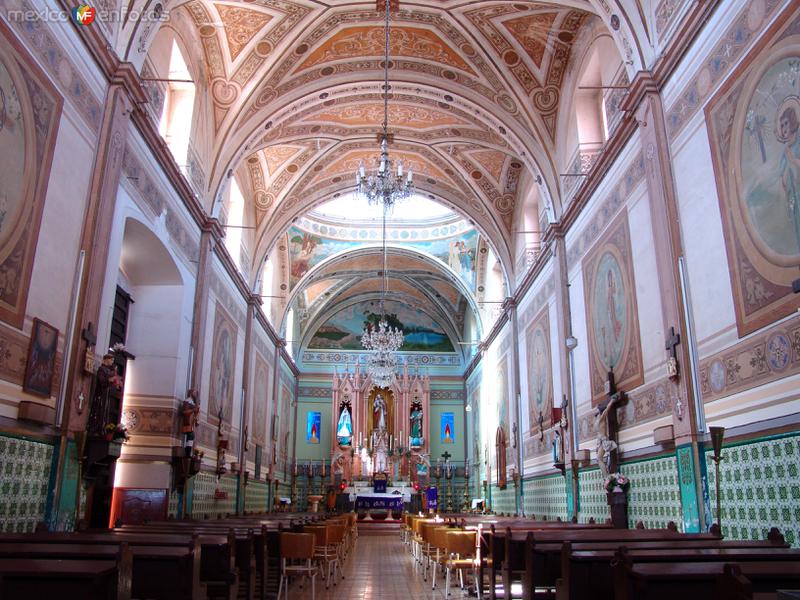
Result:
pixel 309 249
pixel 295 97
pixel 343 330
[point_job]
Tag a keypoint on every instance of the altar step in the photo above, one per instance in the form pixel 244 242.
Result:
pixel 379 527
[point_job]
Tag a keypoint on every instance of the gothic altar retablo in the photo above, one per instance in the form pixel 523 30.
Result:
pixel 380 429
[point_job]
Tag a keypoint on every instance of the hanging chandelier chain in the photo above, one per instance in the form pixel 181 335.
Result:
pixel 386 74
pixel 388 183
pixel 384 187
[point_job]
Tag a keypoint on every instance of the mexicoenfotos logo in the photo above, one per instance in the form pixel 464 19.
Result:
pixel 83 14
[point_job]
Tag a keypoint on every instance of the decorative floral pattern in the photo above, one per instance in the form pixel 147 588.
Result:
pixel 546 497
pixel 24 475
pixel 759 488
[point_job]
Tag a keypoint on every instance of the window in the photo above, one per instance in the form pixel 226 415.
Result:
pixel 176 120
pixel 234 221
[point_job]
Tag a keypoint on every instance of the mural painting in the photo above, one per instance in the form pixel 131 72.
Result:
pixel 41 364
pixel 306 250
pixel 754 129
pixel 313 422
pixel 283 423
pixel 611 314
pixel 540 370
pixel 223 365
pixel 261 388
pixel 30 109
pixel 448 423
pixel 343 330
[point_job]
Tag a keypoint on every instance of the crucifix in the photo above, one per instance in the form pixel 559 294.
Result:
pixel 672 362
pixel 607 427
pixel 446 456
pixel 90 337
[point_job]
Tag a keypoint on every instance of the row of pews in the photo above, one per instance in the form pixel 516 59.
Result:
pixel 573 561
pixel 236 557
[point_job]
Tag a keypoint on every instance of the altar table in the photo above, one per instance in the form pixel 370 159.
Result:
pixel 379 502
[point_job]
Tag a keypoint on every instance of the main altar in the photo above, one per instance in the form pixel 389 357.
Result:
pixel 380 432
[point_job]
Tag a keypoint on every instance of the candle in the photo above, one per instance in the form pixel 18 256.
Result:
pixel 323 468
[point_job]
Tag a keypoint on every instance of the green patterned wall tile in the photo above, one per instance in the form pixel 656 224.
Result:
pixel 593 502
pixel 24 477
pixel 255 497
pixel 172 506
pixel 546 497
pixel 203 502
pixel 654 496
pixel 503 500
pixel 759 488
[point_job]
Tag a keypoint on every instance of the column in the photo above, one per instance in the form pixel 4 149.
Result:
pixel 644 100
pixel 122 96
pixel 244 433
pixel 564 327
pixel 510 306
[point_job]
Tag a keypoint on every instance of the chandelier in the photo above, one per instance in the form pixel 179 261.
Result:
pixel 387 185
pixel 381 339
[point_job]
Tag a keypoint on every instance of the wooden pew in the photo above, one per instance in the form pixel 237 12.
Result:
pixel 67 578
pixel 542 553
pixel 167 572
pixel 712 579
pixel 590 571
pixel 217 552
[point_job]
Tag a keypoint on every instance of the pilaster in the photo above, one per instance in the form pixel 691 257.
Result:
pixel 644 101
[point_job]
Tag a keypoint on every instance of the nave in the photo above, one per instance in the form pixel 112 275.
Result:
pixel 380 568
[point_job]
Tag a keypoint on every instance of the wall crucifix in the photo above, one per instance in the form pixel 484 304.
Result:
pixel 672 362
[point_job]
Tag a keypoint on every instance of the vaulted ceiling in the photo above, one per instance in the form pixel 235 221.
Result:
pixel 476 88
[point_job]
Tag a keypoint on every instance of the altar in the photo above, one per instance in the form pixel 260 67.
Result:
pixel 381 502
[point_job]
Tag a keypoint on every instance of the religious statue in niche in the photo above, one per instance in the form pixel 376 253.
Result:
pixel 344 426
pixel 500 448
pixel 415 417
pixel 190 408
pixel 107 382
pixel 379 413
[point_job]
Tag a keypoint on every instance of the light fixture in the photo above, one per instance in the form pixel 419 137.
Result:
pixel 381 339
pixel 388 184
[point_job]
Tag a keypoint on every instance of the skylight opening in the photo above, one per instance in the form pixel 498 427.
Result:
pixel 352 207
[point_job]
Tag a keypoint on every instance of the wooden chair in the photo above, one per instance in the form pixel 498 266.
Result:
pixel 324 552
pixel 297 558
pixel 439 558
pixel 461 548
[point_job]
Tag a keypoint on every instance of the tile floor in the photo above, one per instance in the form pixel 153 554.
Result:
pixel 380 568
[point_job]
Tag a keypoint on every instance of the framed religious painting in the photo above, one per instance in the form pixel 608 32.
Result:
pixel 30 110
pixel 223 365
pixel 41 364
pixel 313 422
pixel 448 424
pixel 539 371
pixel 612 319
pixel 753 126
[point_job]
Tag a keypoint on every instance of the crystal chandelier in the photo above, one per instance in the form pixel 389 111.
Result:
pixel 387 185
pixel 381 340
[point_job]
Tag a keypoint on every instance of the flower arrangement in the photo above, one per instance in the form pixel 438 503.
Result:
pixel 116 432
pixel 616 482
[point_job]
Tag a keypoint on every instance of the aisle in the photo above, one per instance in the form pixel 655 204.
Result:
pixel 381 568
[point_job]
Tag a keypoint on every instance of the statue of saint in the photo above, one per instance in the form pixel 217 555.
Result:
pixel 416 425
pixel 190 408
pixel 605 445
pixel 379 413
pixel 344 428
pixel 107 379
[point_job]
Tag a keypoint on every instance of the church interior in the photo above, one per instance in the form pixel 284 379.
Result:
pixel 370 280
